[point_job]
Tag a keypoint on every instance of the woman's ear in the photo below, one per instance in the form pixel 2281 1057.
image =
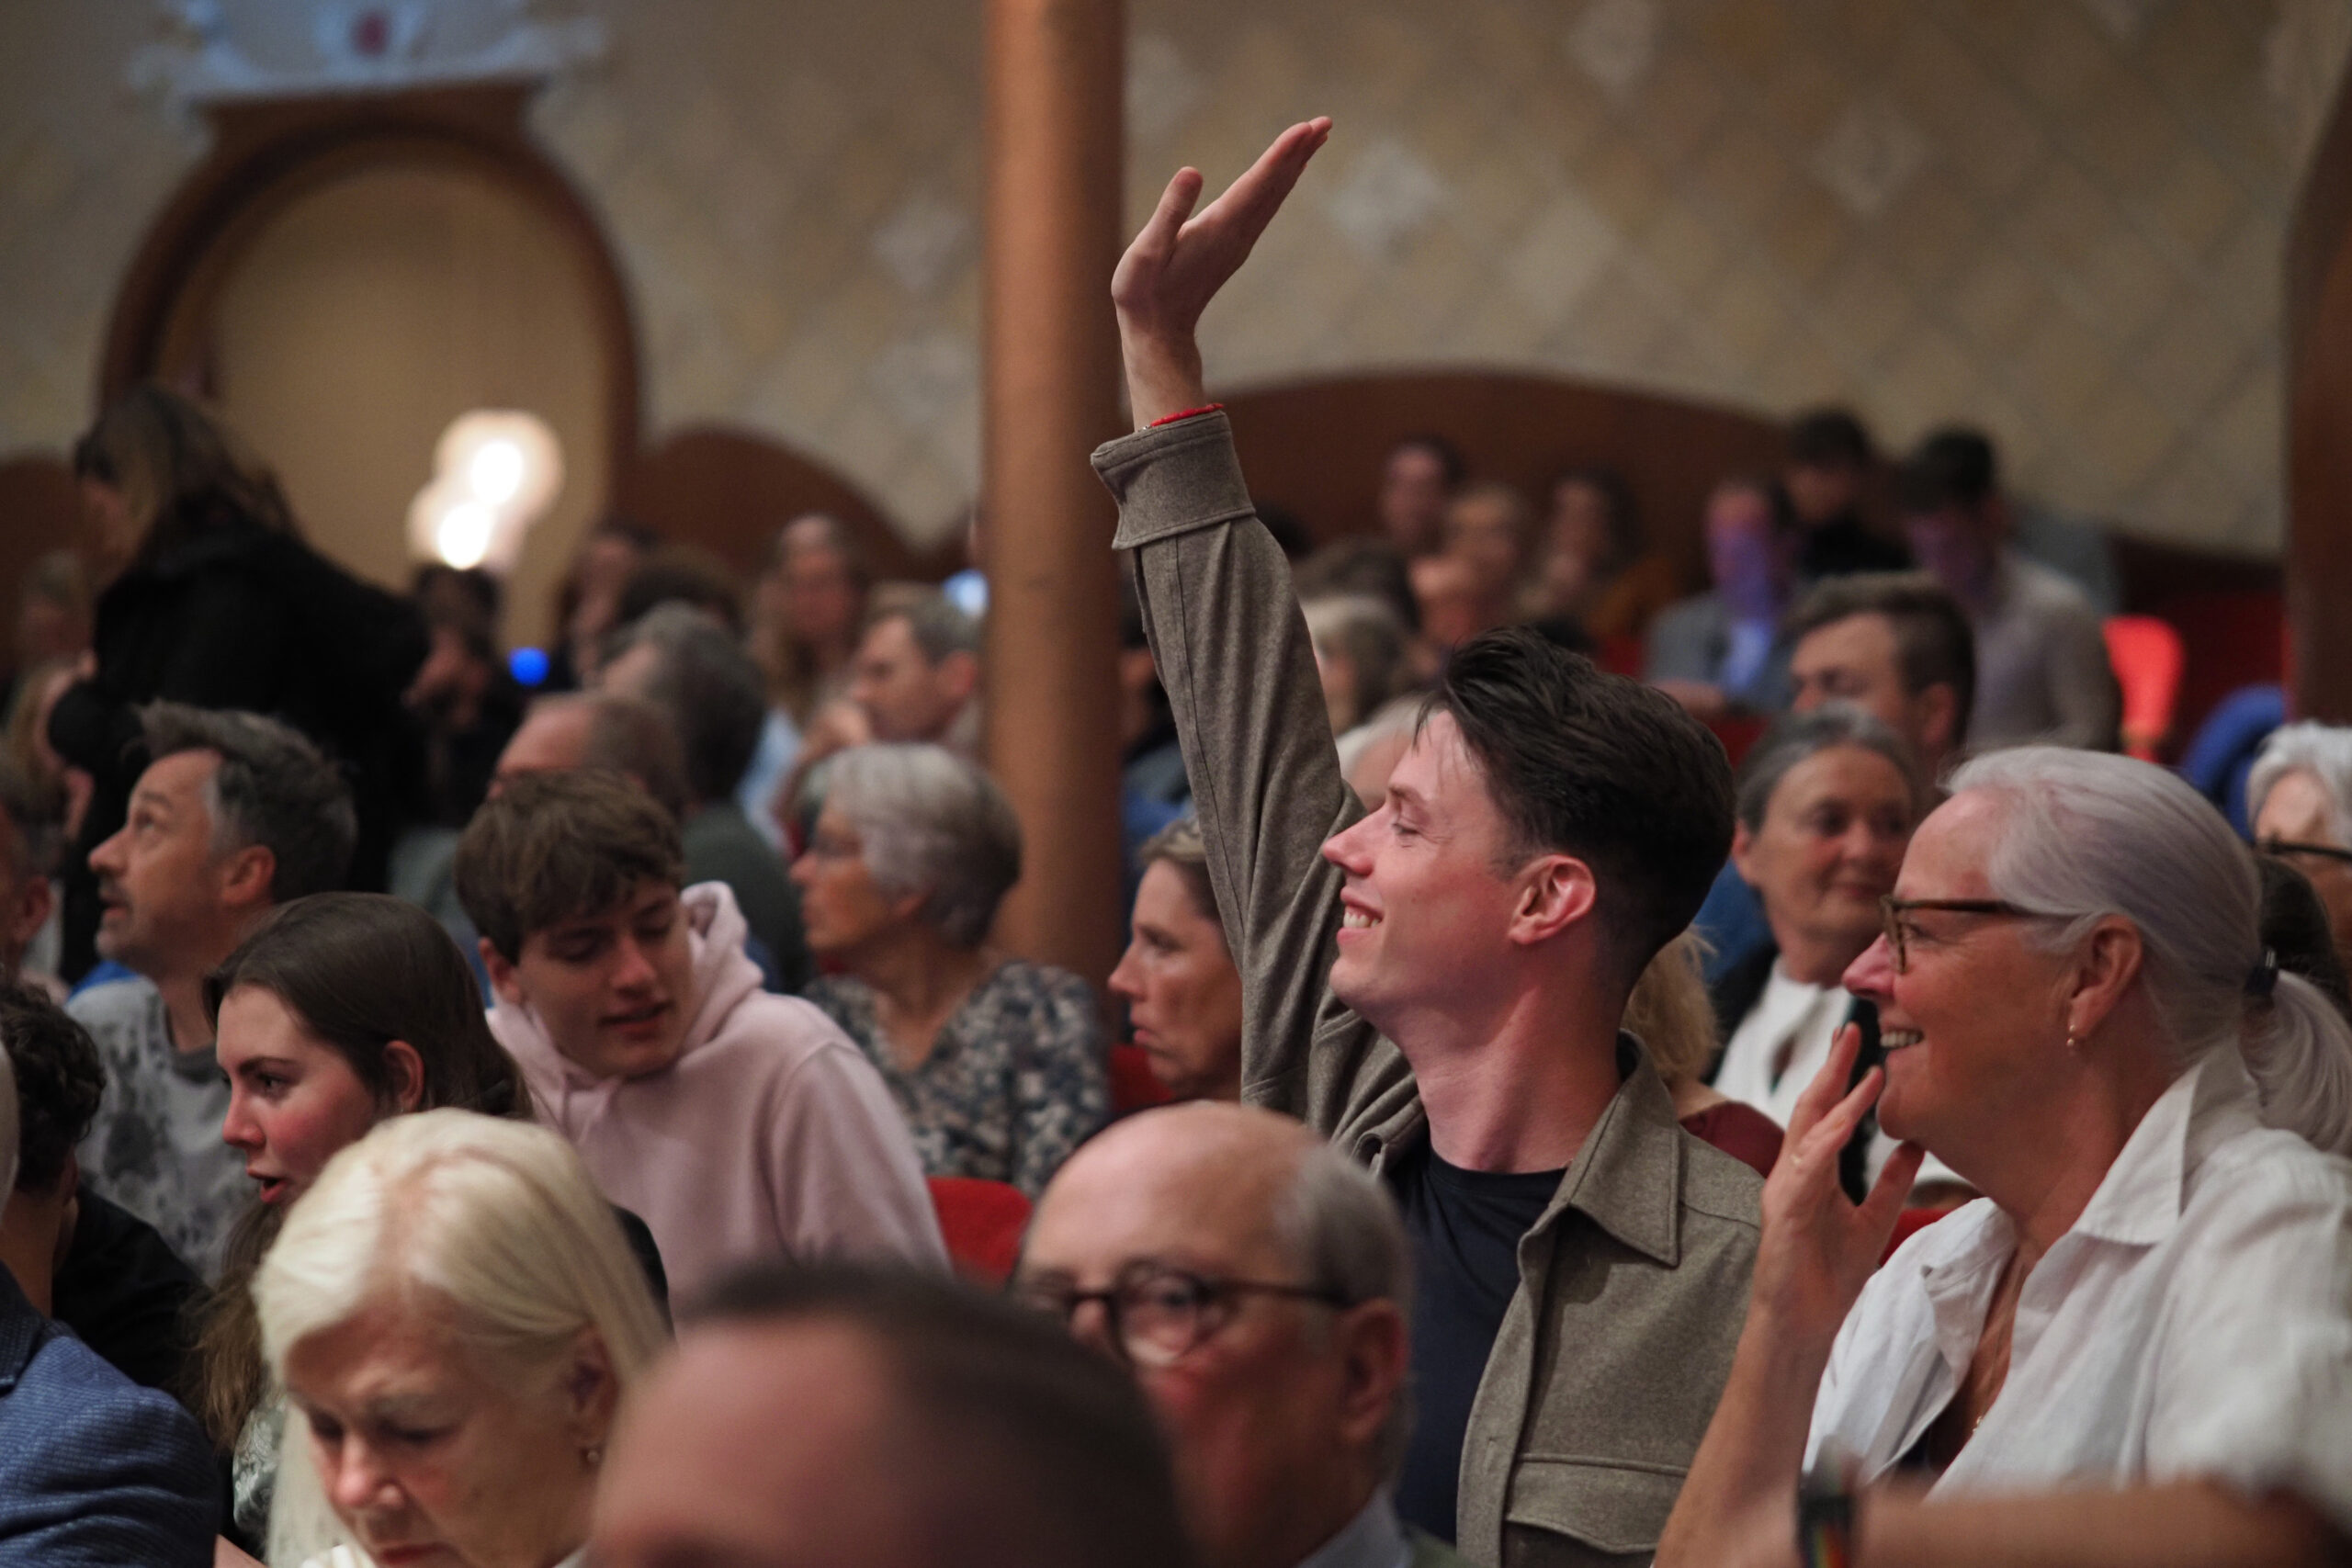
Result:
pixel 405 1068
pixel 2109 962
pixel 592 1392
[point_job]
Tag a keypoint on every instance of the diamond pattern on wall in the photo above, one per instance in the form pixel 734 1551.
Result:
pixel 2063 218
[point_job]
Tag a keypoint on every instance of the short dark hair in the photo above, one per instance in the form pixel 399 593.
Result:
pixel 32 812
pixel 2295 928
pixel 1450 461
pixel 555 846
pixel 938 627
pixel 1951 466
pixel 679 574
pixel 1830 438
pixel 1934 643
pixel 1367 567
pixel 998 1411
pixel 629 735
pixel 60 1080
pixel 274 788
pixel 709 687
pixel 1600 767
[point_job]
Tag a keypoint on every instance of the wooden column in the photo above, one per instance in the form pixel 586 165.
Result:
pixel 1055 142
pixel 2319 429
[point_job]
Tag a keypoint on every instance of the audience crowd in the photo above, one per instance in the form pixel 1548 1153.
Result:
pixel 1922 1142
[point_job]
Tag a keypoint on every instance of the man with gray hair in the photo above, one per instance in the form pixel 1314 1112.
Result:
pixel 686 664
pixel 1257 1283
pixel 234 815
pixel 917 674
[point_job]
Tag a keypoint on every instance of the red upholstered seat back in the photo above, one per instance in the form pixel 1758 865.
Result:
pixel 982 1221
pixel 1133 1085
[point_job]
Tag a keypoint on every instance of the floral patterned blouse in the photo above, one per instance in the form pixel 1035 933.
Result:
pixel 1015 1079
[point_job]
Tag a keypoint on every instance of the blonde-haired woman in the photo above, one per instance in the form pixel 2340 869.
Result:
pixel 454 1315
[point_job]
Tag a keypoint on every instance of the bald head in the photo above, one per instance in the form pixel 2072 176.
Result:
pixel 1261 1282
pixel 600 729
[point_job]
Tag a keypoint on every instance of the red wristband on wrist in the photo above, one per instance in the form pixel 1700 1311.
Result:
pixel 1185 413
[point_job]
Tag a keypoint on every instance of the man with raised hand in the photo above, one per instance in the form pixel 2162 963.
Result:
pixel 1581 1264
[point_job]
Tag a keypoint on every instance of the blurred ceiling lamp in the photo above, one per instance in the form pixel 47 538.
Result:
pixel 496 472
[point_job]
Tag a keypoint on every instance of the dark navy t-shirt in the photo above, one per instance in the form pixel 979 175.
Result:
pixel 1466 1228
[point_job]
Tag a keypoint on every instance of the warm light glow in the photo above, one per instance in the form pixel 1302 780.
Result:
pixel 463 537
pixel 496 472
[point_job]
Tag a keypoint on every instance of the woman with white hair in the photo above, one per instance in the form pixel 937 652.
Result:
pixel 454 1315
pixel 998 1063
pixel 2299 797
pixel 2137 1348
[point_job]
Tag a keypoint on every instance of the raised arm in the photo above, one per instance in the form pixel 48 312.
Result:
pixel 1233 651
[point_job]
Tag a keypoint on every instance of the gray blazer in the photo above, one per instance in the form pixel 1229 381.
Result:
pixel 1634 1285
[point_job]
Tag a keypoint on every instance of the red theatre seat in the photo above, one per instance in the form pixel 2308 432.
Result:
pixel 1133 1085
pixel 2147 657
pixel 982 1221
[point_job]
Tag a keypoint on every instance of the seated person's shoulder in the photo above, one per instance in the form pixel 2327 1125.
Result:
pixel 124 1002
pixel 773 1034
pixel 1720 1191
pixel 135 1463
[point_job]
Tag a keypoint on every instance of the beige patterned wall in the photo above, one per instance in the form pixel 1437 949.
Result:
pixel 2061 218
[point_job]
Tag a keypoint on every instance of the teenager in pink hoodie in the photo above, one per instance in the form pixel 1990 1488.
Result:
pixel 738 1123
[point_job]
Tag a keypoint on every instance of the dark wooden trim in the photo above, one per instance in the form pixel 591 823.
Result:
pixel 2319 416
pixel 268 154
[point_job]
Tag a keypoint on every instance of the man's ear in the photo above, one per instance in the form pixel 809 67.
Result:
pixel 502 978
pixel 21 923
pixel 1742 844
pixel 1375 1354
pixel 1558 891
pixel 405 1068
pixel 246 875
pixel 959 675
pixel 1938 711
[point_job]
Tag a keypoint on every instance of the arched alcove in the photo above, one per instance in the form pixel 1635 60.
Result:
pixel 346 274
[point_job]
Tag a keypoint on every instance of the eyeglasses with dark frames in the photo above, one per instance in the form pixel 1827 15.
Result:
pixel 1159 1315
pixel 1892 909
pixel 2280 849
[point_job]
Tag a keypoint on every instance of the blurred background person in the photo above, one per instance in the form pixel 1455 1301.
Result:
pixel 1360 651
pixel 2296 926
pixel 1487 529
pixel 218 604
pixel 470 1263
pixel 53 617
pixel 1831 467
pixel 1177 976
pixel 2300 792
pixel 861 1419
pixel 1418 478
pixel 340 1011
pixel 1722 650
pixel 469 703
pixel 2041 670
pixel 996 1063
pixel 807 610
pixel 1591 563
pixel 1257 1283
pixel 916 676
pixel 588 604
pixel 690 667
pixel 29 842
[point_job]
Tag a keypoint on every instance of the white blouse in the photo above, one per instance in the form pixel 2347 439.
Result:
pixel 2195 1323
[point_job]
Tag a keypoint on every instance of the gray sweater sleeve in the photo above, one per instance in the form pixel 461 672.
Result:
pixel 1233 653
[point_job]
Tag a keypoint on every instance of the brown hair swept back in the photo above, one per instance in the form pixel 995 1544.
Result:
pixel 358 971
pixel 555 846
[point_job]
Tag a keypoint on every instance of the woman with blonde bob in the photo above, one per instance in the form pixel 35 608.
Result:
pixel 2137 1347
pixel 454 1315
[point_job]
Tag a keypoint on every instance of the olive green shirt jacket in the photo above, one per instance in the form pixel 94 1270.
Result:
pixel 1634 1283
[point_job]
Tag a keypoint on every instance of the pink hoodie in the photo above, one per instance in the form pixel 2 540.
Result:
pixel 771 1133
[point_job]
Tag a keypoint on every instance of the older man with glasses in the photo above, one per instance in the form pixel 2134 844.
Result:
pixel 1256 1282
pixel 2299 797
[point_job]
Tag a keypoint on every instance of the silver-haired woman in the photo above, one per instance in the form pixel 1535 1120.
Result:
pixel 454 1315
pixel 2298 796
pixel 2137 1348
pixel 997 1062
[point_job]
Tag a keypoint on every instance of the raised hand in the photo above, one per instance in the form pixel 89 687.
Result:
pixel 1177 264
pixel 1819 1246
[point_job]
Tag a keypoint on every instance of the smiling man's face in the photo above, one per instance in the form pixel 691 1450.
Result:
pixel 613 989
